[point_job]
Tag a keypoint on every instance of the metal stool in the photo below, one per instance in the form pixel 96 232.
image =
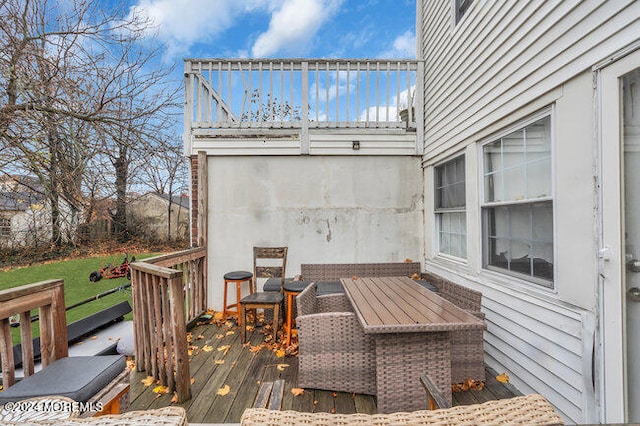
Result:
pixel 237 277
pixel 291 290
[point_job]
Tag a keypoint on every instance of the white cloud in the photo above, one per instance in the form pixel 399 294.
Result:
pixel 293 26
pixel 404 46
pixel 182 23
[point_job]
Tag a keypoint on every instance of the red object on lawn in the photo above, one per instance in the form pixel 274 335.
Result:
pixel 109 271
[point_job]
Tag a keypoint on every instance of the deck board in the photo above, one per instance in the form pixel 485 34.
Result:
pixel 244 370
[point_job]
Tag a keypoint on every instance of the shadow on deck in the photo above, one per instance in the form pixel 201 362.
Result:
pixel 217 365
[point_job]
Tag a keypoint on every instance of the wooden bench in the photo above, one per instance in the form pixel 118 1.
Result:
pixel 270 395
pixel 97 380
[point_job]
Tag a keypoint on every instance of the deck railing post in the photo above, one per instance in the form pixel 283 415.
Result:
pixel 180 354
pixel 188 107
pixel 304 132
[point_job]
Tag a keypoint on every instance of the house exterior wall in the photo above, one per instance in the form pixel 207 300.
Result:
pixel 501 63
pixel 326 209
pixel 149 214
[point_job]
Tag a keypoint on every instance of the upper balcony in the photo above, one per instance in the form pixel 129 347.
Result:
pixel 303 107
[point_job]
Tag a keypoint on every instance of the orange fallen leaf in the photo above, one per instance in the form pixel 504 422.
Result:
pixel 200 336
pixel 219 336
pixel 223 390
pixel 281 367
pixel 502 378
pixel 415 276
pixel 230 333
pixel 207 348
pixel 219 361
pixel 297 391
pixel 335 394
pixel 93 337
pixel 280 353
pixel 174 398
pixel 193 380
pixel 148 381
pixel 407 260
pixel 131 364
pixel 224 348
pixel 354 278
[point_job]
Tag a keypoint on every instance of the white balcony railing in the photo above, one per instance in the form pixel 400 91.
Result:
pixel 301 94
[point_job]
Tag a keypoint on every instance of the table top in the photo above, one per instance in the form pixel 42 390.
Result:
pixel 398 304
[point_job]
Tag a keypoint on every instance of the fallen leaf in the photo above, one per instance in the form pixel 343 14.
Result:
pixel 281 367
pixel 335 394
pixel 297 391
pixel 333 410
pixel 200 336
pixel 148 381
pixel 280 353
pixel 93 337
pixel 224 348
pixel 415 276
pixel 224 390
pixel 219 361
pixel 407 260
pixel 174 398
pixel 131 364
pixel 219 336
pixel 230 333
pixel 502 378
pixel 354 278
pixel 193 380
pixel 161 389
pixel 207 348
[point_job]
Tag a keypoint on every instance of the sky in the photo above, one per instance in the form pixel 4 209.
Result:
pixel 283 28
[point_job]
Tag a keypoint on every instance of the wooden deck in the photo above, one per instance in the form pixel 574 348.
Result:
pixel 243 371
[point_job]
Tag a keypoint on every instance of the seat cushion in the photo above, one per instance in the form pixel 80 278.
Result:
pixel 78 378
pixel 238 275
pixel 273 284
pixel 329 287
pixel 296 286
pixel 426 284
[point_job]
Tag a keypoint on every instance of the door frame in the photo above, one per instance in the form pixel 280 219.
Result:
pixel 612 245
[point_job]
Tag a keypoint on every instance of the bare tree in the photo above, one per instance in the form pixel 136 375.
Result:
pixel 167 174
pixel 77 80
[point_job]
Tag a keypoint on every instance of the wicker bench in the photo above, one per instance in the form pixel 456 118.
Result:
pixel 522 410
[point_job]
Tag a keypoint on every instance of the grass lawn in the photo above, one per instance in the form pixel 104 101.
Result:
pixel 77 286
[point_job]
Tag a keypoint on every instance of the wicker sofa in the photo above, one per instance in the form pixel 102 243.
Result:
pixel 335 354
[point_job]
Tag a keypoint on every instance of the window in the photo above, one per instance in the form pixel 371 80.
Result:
pixel 5 227
pixel 450 208
pixel 517 208
pixel 461 7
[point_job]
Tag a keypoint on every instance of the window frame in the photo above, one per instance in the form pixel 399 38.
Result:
pixel 439 211
pixel 485 206
pixel 5 227
pixel 460 8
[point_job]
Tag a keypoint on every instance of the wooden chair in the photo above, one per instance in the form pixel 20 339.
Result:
pixel 270 263
pixel 92 379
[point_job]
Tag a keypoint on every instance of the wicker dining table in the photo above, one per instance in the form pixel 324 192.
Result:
pixel 411 327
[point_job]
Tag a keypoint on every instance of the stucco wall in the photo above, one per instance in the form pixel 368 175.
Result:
pixel 325 209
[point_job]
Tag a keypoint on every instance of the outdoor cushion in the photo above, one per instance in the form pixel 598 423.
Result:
pixel 273 284
pixel 296 286
pixel 328 287
pixel 78 378
pixel 238 275
pixel 426 284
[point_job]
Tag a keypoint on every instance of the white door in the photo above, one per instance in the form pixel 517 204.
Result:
pixel 620 145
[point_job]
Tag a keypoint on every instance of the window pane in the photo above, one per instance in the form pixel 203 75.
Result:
pixel 542 225
pixel 498 252
pixel 452 234
pixel 520 218
pixel 539 179
pixel 543 261
pixel 449 184
pixel 514 185
pixel 445 247
pixel 493 187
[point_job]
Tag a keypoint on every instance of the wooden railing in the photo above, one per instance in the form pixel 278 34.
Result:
pixel 48 298
pixel 301 93
pixel 168 292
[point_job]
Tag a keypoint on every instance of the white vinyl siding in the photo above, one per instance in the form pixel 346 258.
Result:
pixel 450 206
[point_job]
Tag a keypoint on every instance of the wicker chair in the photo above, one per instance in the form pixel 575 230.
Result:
pixel 467 349
pixel 334 352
